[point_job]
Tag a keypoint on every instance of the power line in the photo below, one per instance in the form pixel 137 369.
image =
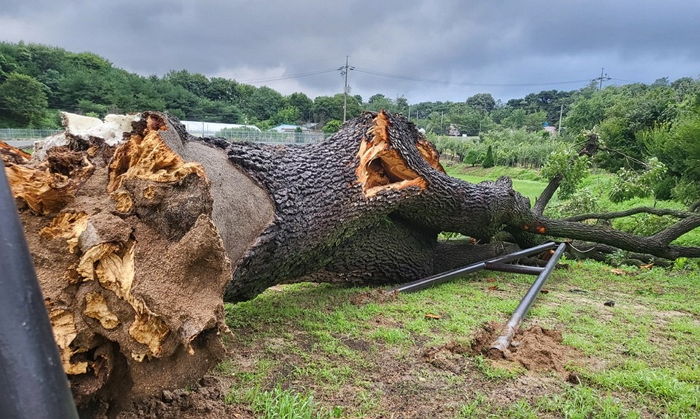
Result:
pixel 289 76
pixel 628 81
pixel 345 69
pixel 416 79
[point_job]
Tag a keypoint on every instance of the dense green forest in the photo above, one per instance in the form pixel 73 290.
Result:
pixel 649 133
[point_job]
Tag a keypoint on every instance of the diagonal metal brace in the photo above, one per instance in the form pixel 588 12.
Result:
pixel 501 344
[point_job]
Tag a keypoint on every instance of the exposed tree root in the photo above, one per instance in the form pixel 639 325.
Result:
pixel 133 295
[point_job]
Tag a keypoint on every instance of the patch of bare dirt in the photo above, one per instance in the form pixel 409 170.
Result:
pixel 373 296
pixel 447 357
pixel 204 400
pixel 536 348
pixel 528 386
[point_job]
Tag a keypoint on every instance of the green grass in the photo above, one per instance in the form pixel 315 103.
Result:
pixel 310 349
pixel 585 402
pixel 526 181
pixel 312 338
pixel 283 404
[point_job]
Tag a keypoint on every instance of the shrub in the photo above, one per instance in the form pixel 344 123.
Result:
pixel 664 188
pixel 488 160
pixel 332 126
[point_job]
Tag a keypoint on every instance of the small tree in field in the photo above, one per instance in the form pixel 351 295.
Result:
pixel 488 160
pixel 332 126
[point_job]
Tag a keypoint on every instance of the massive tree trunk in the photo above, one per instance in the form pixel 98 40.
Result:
pixel 138 240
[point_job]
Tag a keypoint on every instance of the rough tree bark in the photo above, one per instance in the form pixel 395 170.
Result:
pixel 138 242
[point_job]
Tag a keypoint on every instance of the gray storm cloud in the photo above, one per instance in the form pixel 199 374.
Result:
pixel 505 43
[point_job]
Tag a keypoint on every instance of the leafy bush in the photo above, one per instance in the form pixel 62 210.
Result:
pixel 572 167
pixel 629 183
pixel 580 202
pixel 332 126
pixel 643 224
pixel 488 160
pixel 686 191
pixel 663 190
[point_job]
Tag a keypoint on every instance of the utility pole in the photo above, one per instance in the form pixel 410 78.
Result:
pixel 561 115
pixel 344 70
pixel 603 77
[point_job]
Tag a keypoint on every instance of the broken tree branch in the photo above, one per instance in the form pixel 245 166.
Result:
pixel 547 194
pixel 657 245
pixel 628 212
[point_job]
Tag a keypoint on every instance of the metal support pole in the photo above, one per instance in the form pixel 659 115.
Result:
pixel 518 269
pixel 31 376
pixel 445 276
pixel 345 92
pixel 500 345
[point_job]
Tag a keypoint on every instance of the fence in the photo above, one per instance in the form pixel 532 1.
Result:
pixel 26 133
pixel 271 137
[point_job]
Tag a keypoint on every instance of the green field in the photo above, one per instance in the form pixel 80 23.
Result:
pixel 529 183
pixel 526 181
pixel 309 350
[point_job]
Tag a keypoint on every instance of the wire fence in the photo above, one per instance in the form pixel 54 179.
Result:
pixel 269 137
pixel 26 133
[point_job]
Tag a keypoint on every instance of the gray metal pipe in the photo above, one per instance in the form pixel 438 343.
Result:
pixel 502 343
pixel 445 276
pixel 517 269
pixel 31 375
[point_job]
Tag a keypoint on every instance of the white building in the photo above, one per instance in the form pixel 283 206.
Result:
pixel 288 128
pixel 210 129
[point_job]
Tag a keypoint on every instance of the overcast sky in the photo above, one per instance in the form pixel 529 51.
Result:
pixel 460 43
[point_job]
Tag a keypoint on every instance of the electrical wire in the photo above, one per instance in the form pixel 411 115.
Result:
pixel 289 76
pixel 400 77
pixel 417 79
pixel 628 81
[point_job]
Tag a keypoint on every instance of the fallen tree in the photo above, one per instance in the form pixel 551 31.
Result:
pixel 139 238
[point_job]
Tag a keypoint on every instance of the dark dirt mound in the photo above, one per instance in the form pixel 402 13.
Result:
pixel 204 400
pixel 536 348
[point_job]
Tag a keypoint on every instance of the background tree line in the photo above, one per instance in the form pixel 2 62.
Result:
pixel 635 122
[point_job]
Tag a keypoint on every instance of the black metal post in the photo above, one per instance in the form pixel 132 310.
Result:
pixel 445 276
pixel 502 342
pixel 32 382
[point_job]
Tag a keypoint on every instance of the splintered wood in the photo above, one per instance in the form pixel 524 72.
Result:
pixel 124 298
pixel 381 166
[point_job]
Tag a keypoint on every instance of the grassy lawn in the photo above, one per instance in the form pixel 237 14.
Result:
pixel 309 350
pixel 526 181
pixel 328 351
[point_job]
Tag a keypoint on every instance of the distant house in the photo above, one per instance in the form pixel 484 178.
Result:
pixel 453 131
pixel 289 128
pixel 551 130
pixel 211 129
